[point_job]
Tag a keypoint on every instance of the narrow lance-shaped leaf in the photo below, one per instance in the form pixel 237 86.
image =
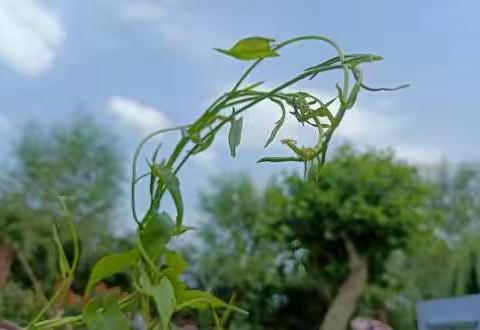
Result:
pixel 350 59
pixel 253 86
pixel 278 159
pixel 111 265
pixel 201 299
pixel 252 48
pixel 235 135
pixel 278 124
pixel 352 98
pixel 166 176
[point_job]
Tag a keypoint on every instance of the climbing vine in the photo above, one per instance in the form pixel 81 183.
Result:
pixel 154 269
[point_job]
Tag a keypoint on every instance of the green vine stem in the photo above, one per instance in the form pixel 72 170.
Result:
pixel 155 269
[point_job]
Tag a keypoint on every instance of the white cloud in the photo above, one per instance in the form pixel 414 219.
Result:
pixel 174 23
pixel 30 35
pixel 207 160
pixel 137 115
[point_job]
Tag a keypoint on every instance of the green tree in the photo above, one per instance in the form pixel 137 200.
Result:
pixel 345 224
pixel 362 208
pixel 450 264
pixel 234 256
pixel 77 161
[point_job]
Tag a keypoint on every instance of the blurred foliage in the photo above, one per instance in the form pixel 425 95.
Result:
pixel 450 264
pixel 78 161
pixel 282 248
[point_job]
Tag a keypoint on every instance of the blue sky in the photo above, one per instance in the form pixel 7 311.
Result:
pixel 139 65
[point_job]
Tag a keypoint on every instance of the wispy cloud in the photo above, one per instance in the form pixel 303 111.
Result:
pixel 30 35
pixel 174 23
pixel 207 161
pixel 137 115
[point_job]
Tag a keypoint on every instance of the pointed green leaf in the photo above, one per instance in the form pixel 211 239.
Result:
pixel 202 299
pixel 352 98
pixel 278 124
pixel 62 258
pixel 252 48
pixel 350 59
pixel 170 180
pixel 235 135
pixel 278 159
pixel 164 297
pixel 179 231
pixel 111 265
pixel 253 86
pixel 341 97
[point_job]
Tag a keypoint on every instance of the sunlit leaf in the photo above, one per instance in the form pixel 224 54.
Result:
pixel 111 265
pixel 252 48
pixel 235 135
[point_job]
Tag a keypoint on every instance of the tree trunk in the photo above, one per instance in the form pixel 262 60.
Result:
pixel 6 257
pixel 345 302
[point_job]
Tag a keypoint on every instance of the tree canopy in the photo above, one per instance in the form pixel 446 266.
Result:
pixel 335 231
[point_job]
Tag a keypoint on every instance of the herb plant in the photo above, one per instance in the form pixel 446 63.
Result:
pixel 154 269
